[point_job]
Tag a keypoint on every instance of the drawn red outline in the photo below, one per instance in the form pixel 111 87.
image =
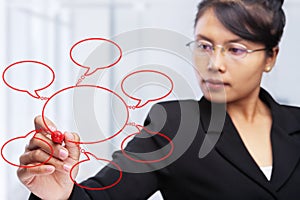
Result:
pixel 98 68
pixel 102 188
pixel 28 61
pixel 20 137
pixel 93 86
pixel 151 132
pixel 140 100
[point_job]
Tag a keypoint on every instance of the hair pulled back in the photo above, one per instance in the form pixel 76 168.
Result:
pixel 260 21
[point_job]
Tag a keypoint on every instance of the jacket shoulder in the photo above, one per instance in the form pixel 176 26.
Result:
pixel 293 110
pixel 173 114
pixel 173 109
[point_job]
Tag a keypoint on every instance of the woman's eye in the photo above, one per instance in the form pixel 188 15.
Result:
pixel 236 51
pixel 205 47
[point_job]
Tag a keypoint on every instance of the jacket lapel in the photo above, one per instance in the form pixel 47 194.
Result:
pixel 285 156
pixel 231 147
pixel 286 152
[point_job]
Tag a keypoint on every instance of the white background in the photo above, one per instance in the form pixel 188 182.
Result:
pixel 45 30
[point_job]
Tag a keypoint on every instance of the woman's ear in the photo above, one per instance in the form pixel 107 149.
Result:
pixel 271 59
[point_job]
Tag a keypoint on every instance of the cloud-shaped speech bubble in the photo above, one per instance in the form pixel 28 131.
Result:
pixel 105 55
pixel 138 79
pixel 9 146
pixel 90 157
pixel 17 76
pixel 93 125
pixel 149 157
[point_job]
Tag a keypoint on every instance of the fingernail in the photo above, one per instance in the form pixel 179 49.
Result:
pixel 63 154
pixel 67 167
pixel 49 168
pixel 69 135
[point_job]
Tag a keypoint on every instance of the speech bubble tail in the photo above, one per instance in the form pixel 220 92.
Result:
pixel 90 155
pixel 141 103
pixel 34 94
pixel 87 154
pixel 89 72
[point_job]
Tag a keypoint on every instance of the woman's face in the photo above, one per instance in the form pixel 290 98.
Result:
pixel 222 78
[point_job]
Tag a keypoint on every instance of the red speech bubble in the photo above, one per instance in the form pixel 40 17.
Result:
pixel 152 133
pixel 23 137
pixel 92 69
pixel 140 77
pixel 16 69
pixel 88 154
pixel 122 126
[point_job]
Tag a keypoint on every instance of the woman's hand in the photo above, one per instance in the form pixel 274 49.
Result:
pixel 51 180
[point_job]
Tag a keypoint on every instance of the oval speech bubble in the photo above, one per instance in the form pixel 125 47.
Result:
pixel 91 131
pixel 13 74
pixel 90 156
pixel 137 79
pixel 103 55
pixel 150 157
pixel 6 145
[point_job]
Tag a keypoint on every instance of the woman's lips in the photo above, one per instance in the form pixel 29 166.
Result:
pixel 214 84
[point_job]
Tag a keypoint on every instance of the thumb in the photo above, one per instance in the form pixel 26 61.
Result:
pixel 39 123
pixel 72 145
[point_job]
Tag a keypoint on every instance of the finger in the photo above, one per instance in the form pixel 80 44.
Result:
pixel 40 125
pixel 71 144
pixel 39 156
pixel 40 141
pixel 26 175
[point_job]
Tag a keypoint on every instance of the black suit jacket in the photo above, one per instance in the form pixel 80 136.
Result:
pixel 227 172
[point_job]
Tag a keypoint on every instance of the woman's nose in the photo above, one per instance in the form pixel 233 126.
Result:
pixel 217 59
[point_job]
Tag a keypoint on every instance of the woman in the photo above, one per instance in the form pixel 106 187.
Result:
pixel 257 154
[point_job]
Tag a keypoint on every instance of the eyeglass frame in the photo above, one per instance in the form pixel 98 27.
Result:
pixel 223 49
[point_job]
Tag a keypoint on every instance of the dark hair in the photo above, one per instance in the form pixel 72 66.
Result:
pixel 260 21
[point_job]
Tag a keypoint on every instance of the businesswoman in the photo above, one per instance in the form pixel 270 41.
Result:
pixel 258 150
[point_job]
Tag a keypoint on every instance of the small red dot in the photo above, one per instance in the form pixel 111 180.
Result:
pixel 57 137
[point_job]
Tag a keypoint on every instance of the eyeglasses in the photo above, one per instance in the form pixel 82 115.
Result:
pixel 232 50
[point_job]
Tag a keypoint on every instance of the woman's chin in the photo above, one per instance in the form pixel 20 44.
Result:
pixel 219 97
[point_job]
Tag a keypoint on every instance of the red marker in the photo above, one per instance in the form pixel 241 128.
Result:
pixel 57 137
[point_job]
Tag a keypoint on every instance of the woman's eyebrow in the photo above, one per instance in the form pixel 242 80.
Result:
pixel 203 37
